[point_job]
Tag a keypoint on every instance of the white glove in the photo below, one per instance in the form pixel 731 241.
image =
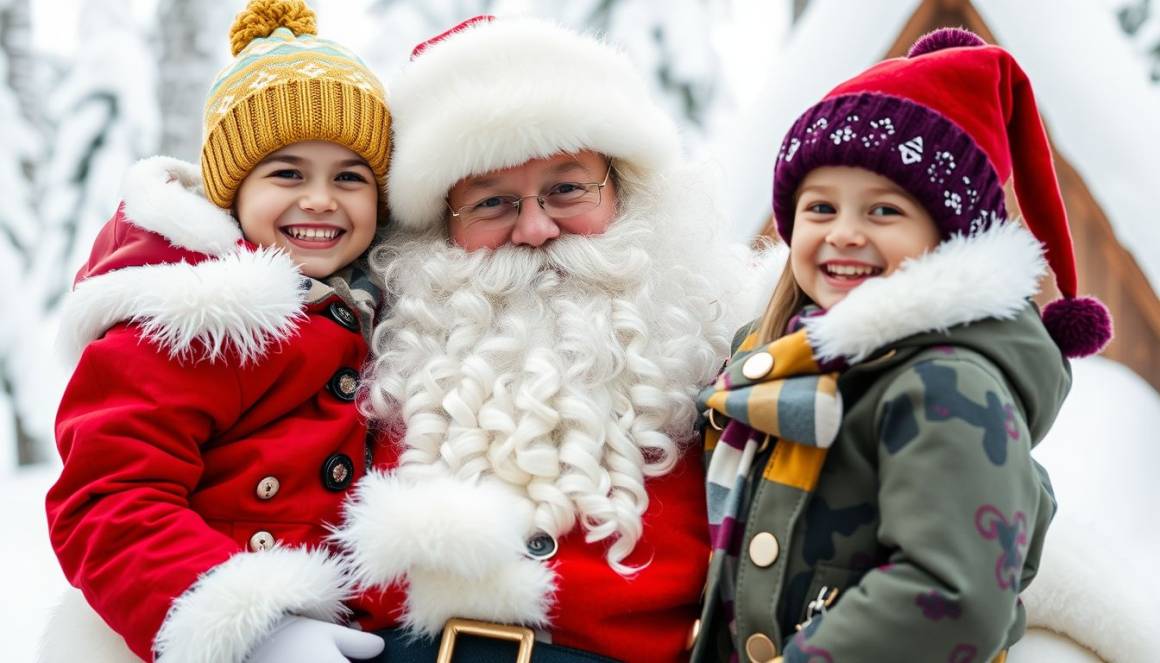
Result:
pixel 305 640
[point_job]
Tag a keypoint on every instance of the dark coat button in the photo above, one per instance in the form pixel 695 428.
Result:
pixel 337 472
pixel 344 384
pixel 541 546
pixel 338 312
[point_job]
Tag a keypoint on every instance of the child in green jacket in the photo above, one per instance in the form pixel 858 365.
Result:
pixel 872 495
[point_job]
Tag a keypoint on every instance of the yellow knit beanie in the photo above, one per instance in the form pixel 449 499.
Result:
pixel 287 86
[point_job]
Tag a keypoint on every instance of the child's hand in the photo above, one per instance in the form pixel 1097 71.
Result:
pixel 305 640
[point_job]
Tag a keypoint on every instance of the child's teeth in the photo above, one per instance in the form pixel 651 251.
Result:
pixel 850 270
pixel 313 233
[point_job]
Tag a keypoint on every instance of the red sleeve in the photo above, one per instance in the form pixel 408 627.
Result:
pixel 130 430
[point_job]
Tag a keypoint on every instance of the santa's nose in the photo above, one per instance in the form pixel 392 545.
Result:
pixel 533 226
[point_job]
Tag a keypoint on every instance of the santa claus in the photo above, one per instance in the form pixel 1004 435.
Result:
pixel 559 293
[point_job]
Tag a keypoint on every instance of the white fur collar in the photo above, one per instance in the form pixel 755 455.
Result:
pixel 239 300
pixel 988 275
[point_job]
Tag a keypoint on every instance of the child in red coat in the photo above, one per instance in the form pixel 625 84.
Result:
pixel 209 433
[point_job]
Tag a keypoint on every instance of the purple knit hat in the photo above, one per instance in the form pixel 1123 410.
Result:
pixel 949 123
pixel 911 143
pixel 955 182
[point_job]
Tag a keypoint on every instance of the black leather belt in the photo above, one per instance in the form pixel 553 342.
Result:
pixel 468 641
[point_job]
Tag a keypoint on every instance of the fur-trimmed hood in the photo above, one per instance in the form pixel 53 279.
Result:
pixel 972 292
pixel 175 264
pixel 965 279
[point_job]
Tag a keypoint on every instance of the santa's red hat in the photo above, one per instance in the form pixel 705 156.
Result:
pixel 493 93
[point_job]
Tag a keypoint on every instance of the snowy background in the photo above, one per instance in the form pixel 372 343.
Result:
pixel 87 87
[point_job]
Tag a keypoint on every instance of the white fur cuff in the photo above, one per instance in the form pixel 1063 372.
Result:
pixel 393 525
pixel 233 607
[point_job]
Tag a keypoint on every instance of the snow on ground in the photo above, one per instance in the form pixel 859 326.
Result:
pixel 1097 580
pixel 1102 455
pixel 30 580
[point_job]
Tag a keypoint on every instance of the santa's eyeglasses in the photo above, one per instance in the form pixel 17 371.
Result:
pixel 562 200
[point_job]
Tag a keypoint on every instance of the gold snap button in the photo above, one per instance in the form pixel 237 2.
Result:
pixel 763 549
pixel 694 631
pixel 268 487
pixel 760 648
pixel 261 540
pixel 757 366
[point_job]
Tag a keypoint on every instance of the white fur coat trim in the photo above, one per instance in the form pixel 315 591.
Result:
pixel 220 619
pixel 518 592
pixel 164 195
pixel 459 547
pixel 556 91
pixel 964 279
pixel 236 605
pixel 243 301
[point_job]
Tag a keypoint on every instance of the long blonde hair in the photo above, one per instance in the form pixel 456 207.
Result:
pixel 787 300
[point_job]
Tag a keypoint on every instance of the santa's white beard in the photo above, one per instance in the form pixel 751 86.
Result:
pixel 567 372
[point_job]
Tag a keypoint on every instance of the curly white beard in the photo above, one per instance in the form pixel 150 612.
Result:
pixel 568 371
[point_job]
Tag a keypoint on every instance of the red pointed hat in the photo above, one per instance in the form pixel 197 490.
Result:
pixel 950 123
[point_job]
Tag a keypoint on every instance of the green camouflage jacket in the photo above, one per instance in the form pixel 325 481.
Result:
pixel 928 514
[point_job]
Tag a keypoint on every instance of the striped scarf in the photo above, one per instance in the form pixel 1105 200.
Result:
pixel 793 405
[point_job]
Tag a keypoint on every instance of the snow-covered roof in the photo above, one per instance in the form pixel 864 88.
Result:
pixel 1092 89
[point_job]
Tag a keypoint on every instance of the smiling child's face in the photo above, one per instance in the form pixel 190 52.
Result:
pixel 852 225
pixel 316 199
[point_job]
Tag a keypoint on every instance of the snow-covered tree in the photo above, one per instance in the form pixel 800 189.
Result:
pixel 673 48
pixel 20 150
pixel 400 25
pixel 18 228
pixel 1140 20
pixel 103 116
pixel 16 42
pixel 194 47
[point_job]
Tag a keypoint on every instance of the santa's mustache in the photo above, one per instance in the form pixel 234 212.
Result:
pixel 611 261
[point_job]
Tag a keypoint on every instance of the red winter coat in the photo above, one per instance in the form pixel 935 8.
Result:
pixel 208 432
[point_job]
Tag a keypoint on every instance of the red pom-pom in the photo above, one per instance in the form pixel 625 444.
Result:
pixel 1080 326
pixel 936 40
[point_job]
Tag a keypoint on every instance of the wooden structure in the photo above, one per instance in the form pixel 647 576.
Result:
pixel 1106 269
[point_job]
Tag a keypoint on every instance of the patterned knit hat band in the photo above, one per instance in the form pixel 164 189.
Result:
pixel 926 154
pixel 286 87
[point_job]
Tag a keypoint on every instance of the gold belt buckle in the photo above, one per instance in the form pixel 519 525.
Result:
pixel 456 627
